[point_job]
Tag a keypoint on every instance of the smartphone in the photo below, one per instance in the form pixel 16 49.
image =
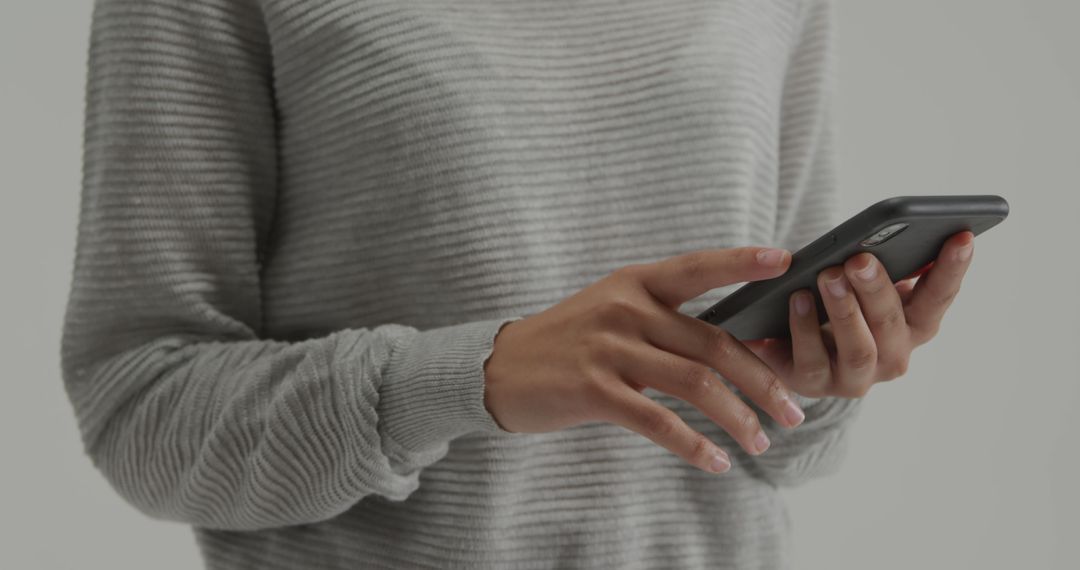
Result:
pixel 905 233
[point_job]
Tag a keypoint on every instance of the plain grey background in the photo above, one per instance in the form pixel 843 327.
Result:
pixel 969 461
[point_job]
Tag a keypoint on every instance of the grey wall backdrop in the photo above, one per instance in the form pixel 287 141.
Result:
pixel 970 461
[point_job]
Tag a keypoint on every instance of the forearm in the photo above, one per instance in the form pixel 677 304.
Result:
pixel 184 402
pixel 254 434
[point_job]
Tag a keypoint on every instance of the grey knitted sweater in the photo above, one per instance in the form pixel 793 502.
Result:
pixel 303 223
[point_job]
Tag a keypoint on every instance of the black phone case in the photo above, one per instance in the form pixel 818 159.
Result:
pixel 760 309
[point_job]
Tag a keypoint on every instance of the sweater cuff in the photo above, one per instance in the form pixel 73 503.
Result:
pixel 433 388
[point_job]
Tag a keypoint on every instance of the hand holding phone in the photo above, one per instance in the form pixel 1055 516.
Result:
pixel 853 279
pixel 590 357
pixel 905 233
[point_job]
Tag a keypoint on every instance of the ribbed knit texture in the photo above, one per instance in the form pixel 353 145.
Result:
pixel 303 224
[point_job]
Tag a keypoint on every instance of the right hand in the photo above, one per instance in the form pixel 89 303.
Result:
pixel 589 357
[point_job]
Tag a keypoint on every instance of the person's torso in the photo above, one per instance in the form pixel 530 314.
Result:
pixel 454 160
pixel 458 160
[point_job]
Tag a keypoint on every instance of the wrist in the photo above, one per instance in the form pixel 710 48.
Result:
pixel 432 390
pixel 494 369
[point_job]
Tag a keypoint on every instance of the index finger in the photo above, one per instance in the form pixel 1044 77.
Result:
pixel 638 412
pixel 676 280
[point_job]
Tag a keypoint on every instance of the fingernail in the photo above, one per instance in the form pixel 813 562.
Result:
pixel 761 442
pixel 802 304
pixel 837 286
pixel 771 257
pixel 793 415
pixel 869 272
pixel 719 464
pixel 964 253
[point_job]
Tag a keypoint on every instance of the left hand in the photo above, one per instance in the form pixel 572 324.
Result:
pixel 873 325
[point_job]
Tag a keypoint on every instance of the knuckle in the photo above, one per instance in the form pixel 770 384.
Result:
pixel 934 329
pixel 927 332
pixel 659 424
pixel 746 423
pixel 594 385
pixel 593 395
pixel 812 383
pixel 896 367
pixel 619 311
pixel 701 449
pixel 696 381
pixel 861 357
pixel 774 389
pixel 602 346
pixel 721 343
pixel 586 353
pixel 845 315
pixel 818 376
pixel 890 320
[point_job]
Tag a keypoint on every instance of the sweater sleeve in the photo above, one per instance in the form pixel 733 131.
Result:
pixel 185 407
pixel 807 208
